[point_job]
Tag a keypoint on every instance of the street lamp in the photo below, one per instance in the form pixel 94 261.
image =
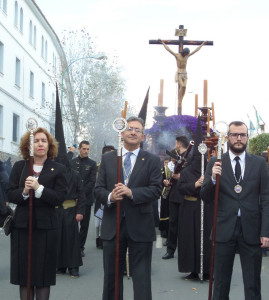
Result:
pixel 98 56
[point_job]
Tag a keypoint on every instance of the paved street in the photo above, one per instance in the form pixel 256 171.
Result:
pixel 167 283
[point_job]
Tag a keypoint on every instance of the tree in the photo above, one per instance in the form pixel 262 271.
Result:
pixel 98 90
pixel 259 143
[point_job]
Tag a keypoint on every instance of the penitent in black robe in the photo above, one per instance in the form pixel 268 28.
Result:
pixel 69 255
pixel 190 223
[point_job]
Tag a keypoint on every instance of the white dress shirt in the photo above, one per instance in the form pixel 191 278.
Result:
pixel 133 160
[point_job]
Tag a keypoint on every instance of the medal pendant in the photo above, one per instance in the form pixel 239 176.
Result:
pixel 238 188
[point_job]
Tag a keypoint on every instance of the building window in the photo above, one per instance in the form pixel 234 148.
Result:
pixel 21 20
pixel 35 37
pixel 1 57
pixel 31 32
pixel 18 73
pixel 1 120
pixel 16 128
pixel 46 51
pixel 5 6
pixel 32 81
pixel 16 14
pixel 43 94
pixel 42 47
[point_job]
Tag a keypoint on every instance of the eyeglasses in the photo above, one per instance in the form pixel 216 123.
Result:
pixel 137 130
pixel 236 135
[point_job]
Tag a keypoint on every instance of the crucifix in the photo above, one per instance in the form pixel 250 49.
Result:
pixel 181 58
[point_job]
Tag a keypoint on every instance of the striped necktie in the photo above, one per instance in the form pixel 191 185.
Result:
pixel 127 167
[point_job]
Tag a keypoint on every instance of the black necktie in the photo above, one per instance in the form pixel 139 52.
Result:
pixel 237 169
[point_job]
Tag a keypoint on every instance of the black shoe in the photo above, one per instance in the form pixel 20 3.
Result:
pixel 192 276
pixel 168 255
pixel 206 277
pixel 61 271
pixel 82 253
pixel 73 272
pixel 99 243
pixel 165 243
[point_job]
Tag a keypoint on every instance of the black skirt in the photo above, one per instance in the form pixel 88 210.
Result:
pixel 44 254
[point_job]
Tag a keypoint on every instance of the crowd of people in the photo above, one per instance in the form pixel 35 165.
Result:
pixel 63 189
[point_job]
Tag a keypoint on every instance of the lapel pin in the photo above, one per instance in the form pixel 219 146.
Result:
pixel 143 158
pixel 52 169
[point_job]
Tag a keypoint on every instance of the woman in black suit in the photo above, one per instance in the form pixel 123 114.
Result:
pixel 49 185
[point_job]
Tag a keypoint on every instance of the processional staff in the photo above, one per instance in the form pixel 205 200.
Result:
pixel 31 126
pixel 220 129
pixel 202 148
pixel 119 125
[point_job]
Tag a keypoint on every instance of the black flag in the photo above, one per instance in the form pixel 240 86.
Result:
pixel 143 112
pixel 59 131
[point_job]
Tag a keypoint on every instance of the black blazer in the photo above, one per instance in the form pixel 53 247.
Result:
pixel 145 183
pixel 253 201
pixel 87 170
pixel 52 177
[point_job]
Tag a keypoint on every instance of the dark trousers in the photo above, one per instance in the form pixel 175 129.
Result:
pixel 140 254
pixel 173 226
pixel 84 226
pixel 251 260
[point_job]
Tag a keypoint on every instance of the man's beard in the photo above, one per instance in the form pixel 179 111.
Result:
pixel 237 150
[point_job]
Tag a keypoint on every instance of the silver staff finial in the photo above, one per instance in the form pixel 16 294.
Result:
pixel 202 148
pixel 221 128
pixel 119 124
pixel 31 124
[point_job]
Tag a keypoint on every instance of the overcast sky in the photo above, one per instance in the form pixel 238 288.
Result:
pixel 236 67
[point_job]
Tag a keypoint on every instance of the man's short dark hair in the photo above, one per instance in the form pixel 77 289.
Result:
pixel 83 142
pixel 107 148
pixel 237 123
pixel 183 140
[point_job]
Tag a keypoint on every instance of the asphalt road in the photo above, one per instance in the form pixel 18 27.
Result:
pixel 167 282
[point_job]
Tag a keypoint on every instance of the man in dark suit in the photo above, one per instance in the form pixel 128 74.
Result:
pixel 87 169
pixel 139 187
pixel 243 213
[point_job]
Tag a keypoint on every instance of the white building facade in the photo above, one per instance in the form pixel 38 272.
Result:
pixel 31 62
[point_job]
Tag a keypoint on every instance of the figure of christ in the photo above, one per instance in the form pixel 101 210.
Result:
pixel 181 75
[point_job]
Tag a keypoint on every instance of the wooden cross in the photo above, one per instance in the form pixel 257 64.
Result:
pixel 181 32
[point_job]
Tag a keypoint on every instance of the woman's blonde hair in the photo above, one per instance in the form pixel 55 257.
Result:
pixel 25 143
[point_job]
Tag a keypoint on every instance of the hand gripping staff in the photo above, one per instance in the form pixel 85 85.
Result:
pixel 31 126
pixel 202 148
pixel 119 125
pixel 220 129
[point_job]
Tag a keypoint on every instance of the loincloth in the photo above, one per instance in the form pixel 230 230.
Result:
pixel 183 75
